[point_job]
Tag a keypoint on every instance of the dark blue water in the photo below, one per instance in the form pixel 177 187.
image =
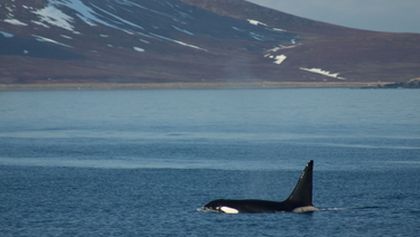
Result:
pixel 140 163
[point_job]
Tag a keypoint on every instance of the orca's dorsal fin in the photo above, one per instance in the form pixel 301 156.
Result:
pixel 302 193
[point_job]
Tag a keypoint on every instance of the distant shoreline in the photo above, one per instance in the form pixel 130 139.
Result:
pixel 190 85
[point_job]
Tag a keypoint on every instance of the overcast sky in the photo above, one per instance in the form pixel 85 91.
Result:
pixel 380 15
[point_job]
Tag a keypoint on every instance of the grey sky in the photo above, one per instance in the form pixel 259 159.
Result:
pixel 380 15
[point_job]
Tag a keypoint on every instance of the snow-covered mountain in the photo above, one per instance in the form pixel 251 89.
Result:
pixel 189 41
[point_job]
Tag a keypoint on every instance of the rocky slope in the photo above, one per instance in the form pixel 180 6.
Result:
pixel 155 41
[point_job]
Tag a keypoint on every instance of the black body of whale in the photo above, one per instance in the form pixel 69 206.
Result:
pixel 300 200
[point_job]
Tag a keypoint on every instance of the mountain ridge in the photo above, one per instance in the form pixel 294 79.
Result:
pixel 244 9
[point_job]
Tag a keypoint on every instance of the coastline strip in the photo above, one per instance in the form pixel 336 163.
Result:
pixel 189 85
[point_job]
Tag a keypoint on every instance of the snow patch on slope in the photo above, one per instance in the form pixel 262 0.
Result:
pixel 144 41
pixel 120 19
pixel 15 22
pixel 178 42
pixel 256 23
pixel 281 47
pixel 323 72
pixel 279 59
pixel 40 24
pixel 84 12
pixel 91 15
pixel 279 30
pixel 183 30
pixel 54 16
pixel 48 40
pixel 259 23
pixel 274 53
pixel 138 49
pixel 66 37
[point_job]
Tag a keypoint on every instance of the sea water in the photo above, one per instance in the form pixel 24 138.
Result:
pixel 142 162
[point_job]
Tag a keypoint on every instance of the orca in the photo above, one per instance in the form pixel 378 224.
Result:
pixel 299 201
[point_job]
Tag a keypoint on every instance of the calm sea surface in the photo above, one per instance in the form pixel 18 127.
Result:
pixel 140 163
